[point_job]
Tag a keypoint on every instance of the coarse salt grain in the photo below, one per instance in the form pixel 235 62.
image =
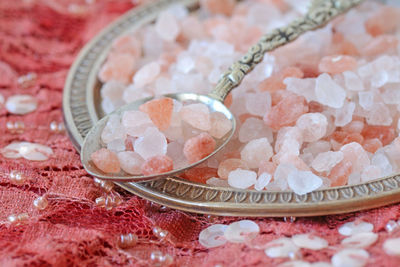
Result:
pixel 281 248
pixel 352 228
pixel 309 241
pixel 241 231
pixel 350 257
pixel 213 236
pixel 21 104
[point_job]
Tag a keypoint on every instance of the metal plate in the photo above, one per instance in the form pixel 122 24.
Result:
pixel 81 105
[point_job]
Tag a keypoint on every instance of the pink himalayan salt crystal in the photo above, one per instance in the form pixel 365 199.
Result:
pixel 159 111
pixel 241 231
pixel 328 92
pixel 21 104
pixel 106 161
pixel 255 151
pixel 266 167
pixel 136 122
pixel 286 112
pixel 292 159
pixel 147 74
pixel 385 20
pixel 197 115
pixel 372 145
pixel 276 81
pixel 258 103
pixel 380 45
pixel 354 127
pixel 200 174
pixel 254 128
pixel 119 67
pixel 220 125
pixel 350 257
pixel 313 126
pixel 337 64
pixel 157 165
pixel 174 151
pixel 325 161
pixel 229 165
pixel 291 134
pixel 224 7
pixel 340 173
pixel 152 143
pixel 199 147
pixel 242 179
pixel 385 134
pixel 128 44
pixel 131 162
pixel 113 130
pixel 167 26
pixel 355 154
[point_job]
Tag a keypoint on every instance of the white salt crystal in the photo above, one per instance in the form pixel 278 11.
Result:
pixel 344 115
pixel 288 133
pixel 262 181
pixel 116 145
pixel 179 11
pixel 21 104
pixel 147 74
pixel 220 125
pixel 350 257
pixel 303 182
pixel 303 87
pixel 113 130
pixel 11 151
pixel 174 151
pixel 380 160
pixel 391 94
pixel 197 115
pixel 258 103
pixel 313 126
pixel 131 162
pixel 354 178
pixel 254 128
pixel 392 246
pixel 281 248
pixel 242 179
pixel 167 26
pixel 281 175
pixel 328 92
pixel 379 114
pixel 185 63
pixel 379 78
pixel 353 81
pixel 360 240
pixel 133 93
pixel 241 231
pixel 325 161
pixel 113 90
pixel 371 173
pixel 136 122
pixel 256 151
pixel 152 143
pixel 352 228
pixel 213 236
pixel 366 100
pixel 309 241
pixel 214 181
pixel 317 147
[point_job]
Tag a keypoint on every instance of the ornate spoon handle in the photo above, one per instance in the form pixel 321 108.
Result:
pixel 319 14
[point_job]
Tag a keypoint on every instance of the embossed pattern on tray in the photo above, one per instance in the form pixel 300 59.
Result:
pixel 81 110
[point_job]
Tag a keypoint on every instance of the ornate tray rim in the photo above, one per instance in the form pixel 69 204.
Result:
pixel 81 111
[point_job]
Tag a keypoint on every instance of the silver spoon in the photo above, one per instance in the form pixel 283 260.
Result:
pixel 320 13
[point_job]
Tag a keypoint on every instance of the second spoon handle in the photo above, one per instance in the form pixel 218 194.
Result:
pixel 319 14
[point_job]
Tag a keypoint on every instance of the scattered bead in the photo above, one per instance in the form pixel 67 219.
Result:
pixel 15 127
pixel 101 201
pixel 391 226
pixel 17 177
pixel 57 127
pixel 41 203
pixel 27 80
pixel 289 219
pixel 18 218
pixel 127 241
pixel 160 233
pixel 160 259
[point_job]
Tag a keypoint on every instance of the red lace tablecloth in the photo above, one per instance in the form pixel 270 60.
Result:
pixel 43 37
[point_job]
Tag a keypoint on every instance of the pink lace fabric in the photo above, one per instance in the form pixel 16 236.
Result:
pixel 44 37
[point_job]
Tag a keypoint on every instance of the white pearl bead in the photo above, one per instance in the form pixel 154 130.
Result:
pixel 127 241
pixel 17 177
pixel 41 203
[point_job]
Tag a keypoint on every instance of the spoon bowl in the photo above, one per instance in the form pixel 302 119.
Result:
pixel 93 142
